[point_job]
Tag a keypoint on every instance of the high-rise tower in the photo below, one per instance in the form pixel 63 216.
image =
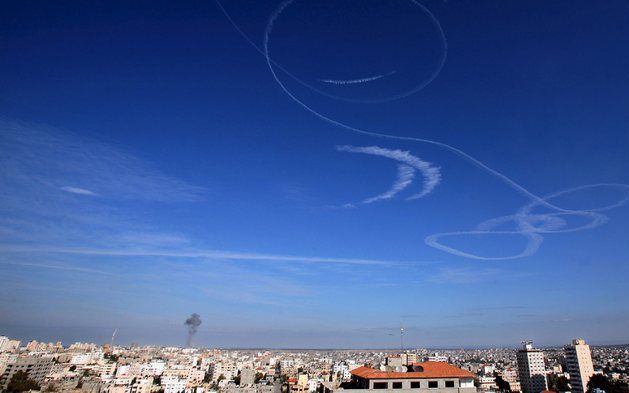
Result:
pixel 531 368
pixel 579 364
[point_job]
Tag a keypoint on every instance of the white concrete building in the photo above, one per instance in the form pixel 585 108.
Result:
pixel 531 368
pixel 174 384
pixel 35 367
pixel 579 364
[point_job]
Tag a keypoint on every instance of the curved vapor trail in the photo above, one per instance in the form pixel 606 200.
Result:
pixel 441 62
pixel 431 174
pixel 459 152
pixel 356 81
pixel 525 222
pixel 531 226
pixel 405 177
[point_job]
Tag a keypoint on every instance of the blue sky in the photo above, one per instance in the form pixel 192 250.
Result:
pixel 154 165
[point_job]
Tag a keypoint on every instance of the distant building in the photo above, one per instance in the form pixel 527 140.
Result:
pixel 8 345
pixel 579 364
pixel 174 384
pixel 437 358
pixel 531 369
pixel 409 358
pixel 247 376
pixel 433 377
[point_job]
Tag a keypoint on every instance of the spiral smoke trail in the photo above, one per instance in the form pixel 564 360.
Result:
pixel 527 224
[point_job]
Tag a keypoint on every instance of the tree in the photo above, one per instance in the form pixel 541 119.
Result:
pixel 558 383
pixel 602 382
pixel 563 384
pixel 503 386
pixel 21 383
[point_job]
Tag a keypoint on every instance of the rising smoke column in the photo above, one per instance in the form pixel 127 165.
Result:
pixel 193 323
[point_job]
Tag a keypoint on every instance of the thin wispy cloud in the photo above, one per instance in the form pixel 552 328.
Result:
pixel 77 190
pixel 58 267
pixel 451 275
pixel 208 254
pixel 406 171
pixel 36 158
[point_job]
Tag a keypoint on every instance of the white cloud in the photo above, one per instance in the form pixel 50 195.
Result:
pixel 35 158
pixel 77 190
pixel 204 253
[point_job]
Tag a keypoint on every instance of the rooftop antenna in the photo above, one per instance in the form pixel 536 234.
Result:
pixel 402 338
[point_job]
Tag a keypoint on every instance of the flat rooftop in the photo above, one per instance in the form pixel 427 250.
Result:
pixel 420 371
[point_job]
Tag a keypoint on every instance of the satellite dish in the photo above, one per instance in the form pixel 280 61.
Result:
pixel 400 369
pixel 417 368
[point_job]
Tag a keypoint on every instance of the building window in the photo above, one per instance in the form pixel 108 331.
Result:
pixel 415 385
pixel 397 385
pixel 380 385
pixel 433 384
pixel 449 384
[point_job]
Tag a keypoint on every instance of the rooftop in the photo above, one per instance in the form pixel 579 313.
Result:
pixel 428 370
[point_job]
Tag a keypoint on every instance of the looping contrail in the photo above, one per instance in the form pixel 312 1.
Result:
pixel 417 87
pixel 529 226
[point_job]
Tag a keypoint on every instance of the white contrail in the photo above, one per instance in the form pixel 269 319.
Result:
pixel 531 226
pixel 523 219
pixel 439 66
pixel 355 81
pixel 507 180
pixel 431 174
pixel 404 179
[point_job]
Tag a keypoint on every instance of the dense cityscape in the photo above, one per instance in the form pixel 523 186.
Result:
pixel 110 368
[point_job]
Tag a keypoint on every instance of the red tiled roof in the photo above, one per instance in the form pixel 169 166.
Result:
pixel 431 370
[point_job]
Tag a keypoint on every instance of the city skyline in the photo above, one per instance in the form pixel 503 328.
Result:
pixel 315 175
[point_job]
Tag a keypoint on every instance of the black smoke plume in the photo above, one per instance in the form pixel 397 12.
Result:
pixel 193 324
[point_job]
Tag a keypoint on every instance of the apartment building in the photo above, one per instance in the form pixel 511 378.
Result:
pixel 531 369
pixel 579 365
pixel 35 367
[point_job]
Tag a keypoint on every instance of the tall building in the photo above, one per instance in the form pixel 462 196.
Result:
pixel 579 364
pixel 531 369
